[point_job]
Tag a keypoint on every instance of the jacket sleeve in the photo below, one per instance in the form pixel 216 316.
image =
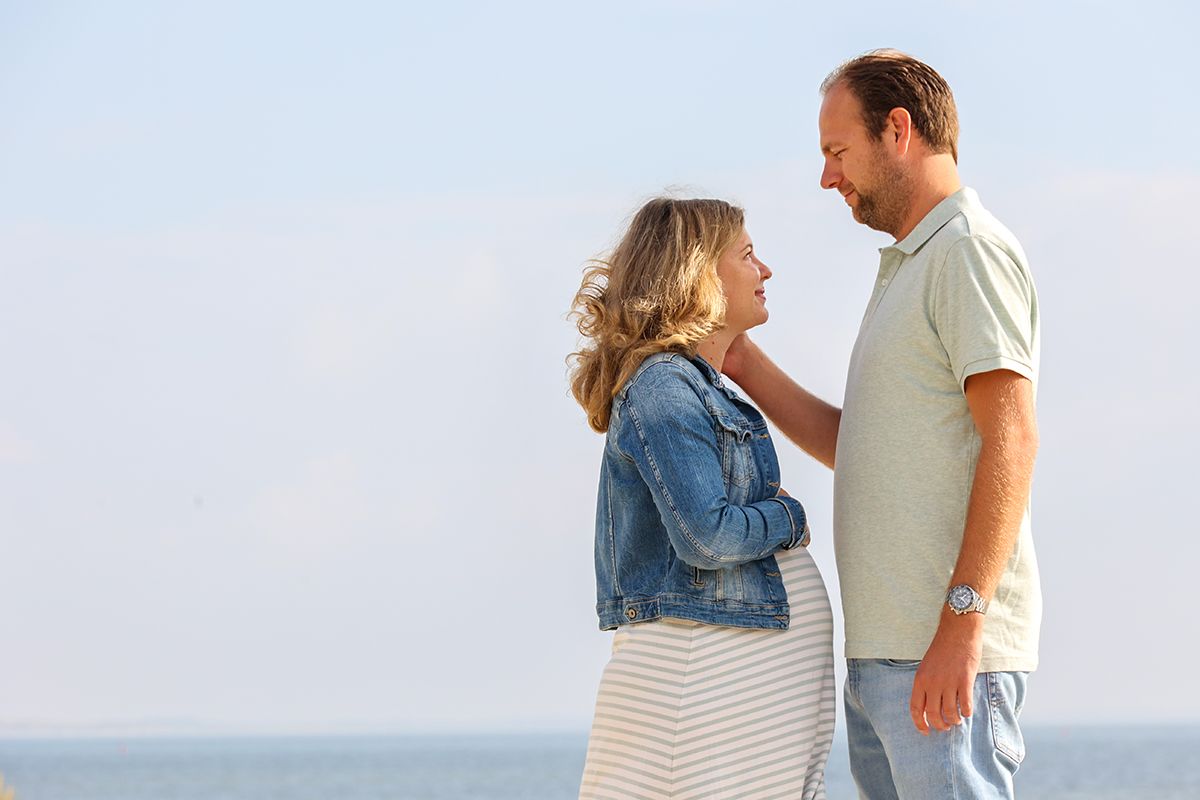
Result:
pixel 668 433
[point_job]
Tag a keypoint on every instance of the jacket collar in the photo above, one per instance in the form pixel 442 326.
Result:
pixel 714 377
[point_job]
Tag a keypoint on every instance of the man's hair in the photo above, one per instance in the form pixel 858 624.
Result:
pixel 886 79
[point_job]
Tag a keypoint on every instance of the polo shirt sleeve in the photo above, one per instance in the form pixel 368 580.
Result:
pixel 983 310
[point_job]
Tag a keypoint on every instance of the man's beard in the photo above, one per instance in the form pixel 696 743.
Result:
pixel 885 207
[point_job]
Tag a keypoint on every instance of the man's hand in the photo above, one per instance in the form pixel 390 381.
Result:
pixel 736 355
pixel 945 681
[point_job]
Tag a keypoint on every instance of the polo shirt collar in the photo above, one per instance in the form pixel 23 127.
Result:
pixel 935 220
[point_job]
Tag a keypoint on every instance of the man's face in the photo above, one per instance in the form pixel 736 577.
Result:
pixel 869 176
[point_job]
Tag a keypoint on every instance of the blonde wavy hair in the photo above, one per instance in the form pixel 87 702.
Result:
pixel 657 291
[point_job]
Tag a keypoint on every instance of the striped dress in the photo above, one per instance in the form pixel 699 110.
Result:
pixel 688 711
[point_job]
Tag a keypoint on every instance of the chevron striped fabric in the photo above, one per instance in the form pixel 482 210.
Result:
pixel 688 711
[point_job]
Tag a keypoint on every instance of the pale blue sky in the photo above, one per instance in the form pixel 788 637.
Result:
pixel 286 443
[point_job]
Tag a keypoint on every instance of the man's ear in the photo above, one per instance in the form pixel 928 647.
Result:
pixel 899 130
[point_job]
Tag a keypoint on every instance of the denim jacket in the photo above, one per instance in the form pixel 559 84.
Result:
pixel 687 518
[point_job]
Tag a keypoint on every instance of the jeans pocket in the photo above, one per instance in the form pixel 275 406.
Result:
pixel 1006 696
pixel 902 663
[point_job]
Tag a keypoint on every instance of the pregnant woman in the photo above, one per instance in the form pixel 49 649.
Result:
pixel 720 683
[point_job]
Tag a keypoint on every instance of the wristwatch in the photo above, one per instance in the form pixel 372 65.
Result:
pixel 963 599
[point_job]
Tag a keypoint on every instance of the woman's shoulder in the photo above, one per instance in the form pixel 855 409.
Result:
pixel 664 371
pixel 666 391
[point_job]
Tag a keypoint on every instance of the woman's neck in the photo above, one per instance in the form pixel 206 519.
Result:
pixel 713 348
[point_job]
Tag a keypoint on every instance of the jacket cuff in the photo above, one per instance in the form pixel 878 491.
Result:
pixel 799 520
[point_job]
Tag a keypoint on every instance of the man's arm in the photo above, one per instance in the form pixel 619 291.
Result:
pixel 1001 404
pixel 804 418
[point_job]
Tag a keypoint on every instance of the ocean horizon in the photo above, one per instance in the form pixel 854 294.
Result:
pixel 1156 762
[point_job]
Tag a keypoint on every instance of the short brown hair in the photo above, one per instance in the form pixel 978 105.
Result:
pixel 886 79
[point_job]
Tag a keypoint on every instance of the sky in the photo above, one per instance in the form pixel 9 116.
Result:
pixel 286 443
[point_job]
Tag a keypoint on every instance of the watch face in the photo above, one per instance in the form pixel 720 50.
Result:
pixel 961 597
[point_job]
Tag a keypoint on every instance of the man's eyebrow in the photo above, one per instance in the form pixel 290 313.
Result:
pixel 829 147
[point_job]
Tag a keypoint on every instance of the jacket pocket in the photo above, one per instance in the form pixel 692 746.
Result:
pixel 737 453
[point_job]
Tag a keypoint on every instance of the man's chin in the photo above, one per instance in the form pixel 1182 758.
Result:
pixel 871 221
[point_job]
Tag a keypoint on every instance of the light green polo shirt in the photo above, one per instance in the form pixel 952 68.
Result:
pixel 953 299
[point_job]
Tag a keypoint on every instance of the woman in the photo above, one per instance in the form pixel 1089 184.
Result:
pixel 721 678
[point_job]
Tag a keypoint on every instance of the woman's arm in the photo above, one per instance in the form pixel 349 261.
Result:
pixel 667 431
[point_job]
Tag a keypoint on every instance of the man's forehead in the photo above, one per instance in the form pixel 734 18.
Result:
pixel 839 101
pixel 839 117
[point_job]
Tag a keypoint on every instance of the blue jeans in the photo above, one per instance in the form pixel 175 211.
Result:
pixel 891 760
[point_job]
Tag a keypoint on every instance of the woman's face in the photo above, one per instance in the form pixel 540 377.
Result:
pixel 742 276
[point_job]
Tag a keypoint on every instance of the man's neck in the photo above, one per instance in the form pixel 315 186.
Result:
pixel 937 180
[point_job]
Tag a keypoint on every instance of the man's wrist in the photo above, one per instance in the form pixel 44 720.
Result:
pixel 962 598
pixel 960 626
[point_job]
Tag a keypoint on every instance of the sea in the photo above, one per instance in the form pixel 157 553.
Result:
pixel 1079 763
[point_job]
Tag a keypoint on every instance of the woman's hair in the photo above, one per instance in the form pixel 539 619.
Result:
pixel 657 291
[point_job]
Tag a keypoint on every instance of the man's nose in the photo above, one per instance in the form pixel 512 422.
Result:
pixel 830 176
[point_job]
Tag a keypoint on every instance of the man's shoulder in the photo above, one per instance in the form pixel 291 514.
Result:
pixel 975 226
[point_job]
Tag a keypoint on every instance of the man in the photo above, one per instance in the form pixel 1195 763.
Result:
pixel 932 453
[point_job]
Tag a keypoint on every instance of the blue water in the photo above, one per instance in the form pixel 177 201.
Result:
pixel 1160 763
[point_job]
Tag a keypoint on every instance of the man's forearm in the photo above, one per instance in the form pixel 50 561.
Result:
pixel 803 417
pixel 942 688
pixel 999 496
pixel 1001 404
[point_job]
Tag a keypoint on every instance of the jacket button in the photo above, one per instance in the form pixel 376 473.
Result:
pixel 631 613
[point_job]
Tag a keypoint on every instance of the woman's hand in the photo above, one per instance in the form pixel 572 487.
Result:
pixel 783 493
